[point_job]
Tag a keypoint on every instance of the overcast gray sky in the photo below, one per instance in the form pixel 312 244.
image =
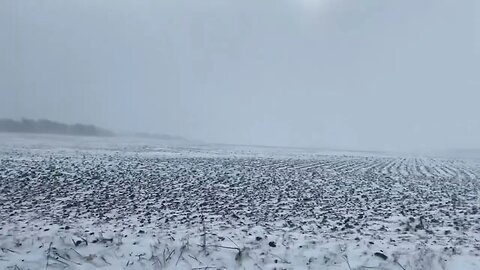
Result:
pixel 372 74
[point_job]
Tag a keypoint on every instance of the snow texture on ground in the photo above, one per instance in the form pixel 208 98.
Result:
pixel 76 203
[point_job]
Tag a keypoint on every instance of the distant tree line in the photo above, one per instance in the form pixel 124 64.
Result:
pixel 51 127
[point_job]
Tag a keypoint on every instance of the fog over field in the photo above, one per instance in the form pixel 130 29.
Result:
pixel 371 75
pixel 248 134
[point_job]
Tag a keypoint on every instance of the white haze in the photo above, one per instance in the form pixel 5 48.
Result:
pixel 378 75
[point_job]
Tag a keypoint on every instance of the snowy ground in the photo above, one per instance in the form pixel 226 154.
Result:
pixel 82 203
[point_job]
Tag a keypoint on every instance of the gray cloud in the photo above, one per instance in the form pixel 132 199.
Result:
pixel 354 74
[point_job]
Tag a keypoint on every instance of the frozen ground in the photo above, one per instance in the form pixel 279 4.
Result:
pixel 80 203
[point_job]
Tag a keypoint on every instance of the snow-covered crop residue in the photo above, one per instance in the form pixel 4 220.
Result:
pixel 200 208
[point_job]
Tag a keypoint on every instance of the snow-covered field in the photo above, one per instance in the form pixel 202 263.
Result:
pixel 83 203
